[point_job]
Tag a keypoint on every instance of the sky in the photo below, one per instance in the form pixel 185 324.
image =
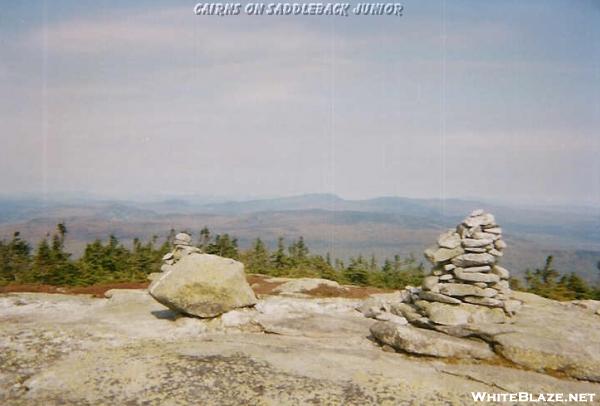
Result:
pixel 455 99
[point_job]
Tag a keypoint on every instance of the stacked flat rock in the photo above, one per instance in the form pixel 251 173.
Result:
pixel 465 266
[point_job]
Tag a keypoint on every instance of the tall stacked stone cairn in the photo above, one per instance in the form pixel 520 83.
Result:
pixel 466 296
pixel 465 267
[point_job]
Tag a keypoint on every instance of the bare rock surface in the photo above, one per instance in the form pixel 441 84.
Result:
pixel 130 349
pixel 297 287
pixel 553 336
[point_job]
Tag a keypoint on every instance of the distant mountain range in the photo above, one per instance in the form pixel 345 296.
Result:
pixel 382 226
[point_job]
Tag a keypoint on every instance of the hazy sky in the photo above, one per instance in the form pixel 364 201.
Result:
pixel 487 99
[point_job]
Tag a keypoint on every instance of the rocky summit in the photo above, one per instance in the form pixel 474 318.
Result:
pixel 200 284
pixel 462 331
pixel 127 348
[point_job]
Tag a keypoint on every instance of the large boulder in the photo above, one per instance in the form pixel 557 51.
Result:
pixel 427 342
pixel 203 285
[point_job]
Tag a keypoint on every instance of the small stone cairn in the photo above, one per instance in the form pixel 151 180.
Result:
pixel 182 246
pixel 465 266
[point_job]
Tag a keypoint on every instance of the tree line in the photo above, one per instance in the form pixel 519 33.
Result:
pixel 551 283
pixel 113 262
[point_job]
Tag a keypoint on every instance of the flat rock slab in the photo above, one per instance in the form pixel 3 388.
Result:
pixel 553 336
pixel 427 342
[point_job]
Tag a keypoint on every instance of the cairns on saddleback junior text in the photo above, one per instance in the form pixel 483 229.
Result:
pixel 316 9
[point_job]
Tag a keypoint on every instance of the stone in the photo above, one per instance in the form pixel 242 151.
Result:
pixel 485 331
pixel 302 285
pixel 182 250
pixel 489 292
pixel 499 244
pixel 398 296
pixel 485 268
pixel 483 301
pixel 443 254
pixel 449 240
pixel 476 250
pixel 167 256
pixel 437 272
pixel 182 239
pixel 481 220
pixel 476 243
pixel 463 313
pixel 495 252
pixel 481 235
pixel 476 213
pixel 203 285
pixel 463 231
pixel 372 307
pixel 512 306
pixel 406 311
pixel 449 267
pixel 429 282
pixel 450 315
pixel 371 311
pixel 446 277
pixel 494 230
pixel 587 304
pixel 502 286
pixel 466 260
pixel 501 272
pixel 438 297
pixel 476 276
pixel 427 342
pixel 461 289
pixel 482 285
pixel 386 316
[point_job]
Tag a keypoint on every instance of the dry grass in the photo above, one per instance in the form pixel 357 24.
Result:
pixel 94 290
pixel 261 284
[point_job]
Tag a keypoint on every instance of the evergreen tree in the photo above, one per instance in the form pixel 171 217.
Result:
pixel 577 287
pixel 15 260
pixel 204 239
pixel 279 258
pixel 224 246
pixel 258 259
pixel 357 272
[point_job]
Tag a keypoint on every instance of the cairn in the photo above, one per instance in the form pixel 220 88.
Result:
pixel 465 266
pixel 182 246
